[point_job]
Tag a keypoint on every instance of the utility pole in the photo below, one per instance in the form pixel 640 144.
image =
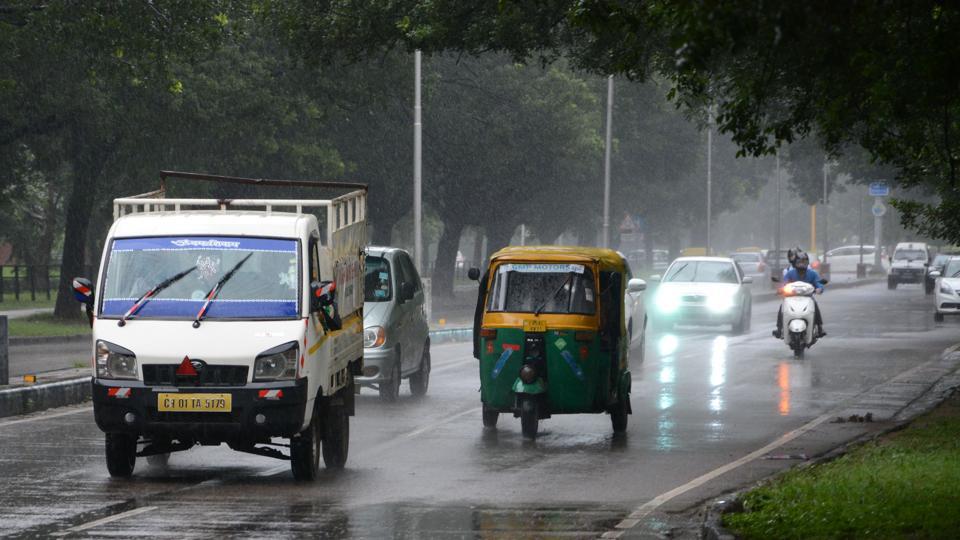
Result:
pixel 826 202
pixel 709 175
pixel 417 168
pixel 777 242
pixel 606 165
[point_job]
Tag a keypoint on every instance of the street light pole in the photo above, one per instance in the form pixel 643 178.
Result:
pixel 777 241
pixel 709 174
pixel 606 165
pixel 826 231
pixel 417 168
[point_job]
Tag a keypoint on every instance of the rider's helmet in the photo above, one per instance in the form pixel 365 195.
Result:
pixel 802 261
pixel 792 254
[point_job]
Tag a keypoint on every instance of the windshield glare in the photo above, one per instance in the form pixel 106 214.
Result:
pixel 265 286
pixel 908 255
pixel 376 280
pixel 554 288
pixel 702 271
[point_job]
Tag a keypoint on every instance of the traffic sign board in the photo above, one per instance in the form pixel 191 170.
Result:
pixel 879 189
pixel 879 209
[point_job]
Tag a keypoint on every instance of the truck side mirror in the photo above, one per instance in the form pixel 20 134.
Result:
pixel 473 274
pixel 322 294
pixel 83 292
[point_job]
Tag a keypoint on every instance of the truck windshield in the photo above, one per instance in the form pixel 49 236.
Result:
pixel 552 288
pixel 376 280
pixel 264 287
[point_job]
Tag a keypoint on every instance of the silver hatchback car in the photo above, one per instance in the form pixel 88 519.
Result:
pixel 396 336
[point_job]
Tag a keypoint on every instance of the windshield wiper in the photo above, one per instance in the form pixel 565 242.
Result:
pixel 955 274
pixel 212 293
pixel 536 312
pixel 147 296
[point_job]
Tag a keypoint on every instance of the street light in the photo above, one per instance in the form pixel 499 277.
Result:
pixel 606 166
pixel 417 167
pixel 709 173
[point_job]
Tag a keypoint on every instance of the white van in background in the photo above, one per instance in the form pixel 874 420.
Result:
pixel 908 264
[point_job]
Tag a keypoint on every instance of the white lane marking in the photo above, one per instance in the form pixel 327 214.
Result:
pixel 646 508
pixel 44 417
pixel 109 519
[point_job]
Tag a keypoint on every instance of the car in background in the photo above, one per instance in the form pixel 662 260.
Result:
pixel 776 261
pixel 703 290
pixel 947 281
pixel 908 264
pixel 754 265
pixel 844 259
pixel 939 261
pixel 396 335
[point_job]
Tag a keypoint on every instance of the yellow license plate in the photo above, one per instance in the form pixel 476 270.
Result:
pixel 194 402
pixel 535 325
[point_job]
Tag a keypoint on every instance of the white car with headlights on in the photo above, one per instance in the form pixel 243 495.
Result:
pixel 947 286
pixel 703 290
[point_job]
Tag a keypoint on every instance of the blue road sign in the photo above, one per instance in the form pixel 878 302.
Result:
pixel 879 189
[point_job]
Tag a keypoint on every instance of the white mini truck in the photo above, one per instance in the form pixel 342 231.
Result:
pixel 228 321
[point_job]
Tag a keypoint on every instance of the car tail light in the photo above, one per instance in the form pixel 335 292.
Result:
pixel 815 265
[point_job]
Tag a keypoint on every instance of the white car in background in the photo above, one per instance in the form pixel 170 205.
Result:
pixel 753 264
pixel 704 290
pixel 844 259
pixel 947 299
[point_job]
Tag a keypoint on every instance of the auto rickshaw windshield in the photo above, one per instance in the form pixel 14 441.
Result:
pixel 547 288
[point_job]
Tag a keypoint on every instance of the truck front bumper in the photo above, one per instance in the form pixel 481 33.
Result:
pixel 258 411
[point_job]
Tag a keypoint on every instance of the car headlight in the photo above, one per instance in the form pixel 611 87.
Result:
pixel 668 302
pixel 278 363
pixel 115 362
pixel 946 289
pixel 374 336
pixel 719 303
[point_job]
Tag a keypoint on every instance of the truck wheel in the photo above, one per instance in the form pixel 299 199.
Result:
pixel 305 451
pixel 121 450
pixel 618 414
pixel 420 380
pixel 891 283
pixel 390 389
pixel 490 417
pixel 336 438
pixel 529 417
pixel 938 316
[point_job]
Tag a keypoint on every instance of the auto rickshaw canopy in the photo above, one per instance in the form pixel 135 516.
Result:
pixel 604 258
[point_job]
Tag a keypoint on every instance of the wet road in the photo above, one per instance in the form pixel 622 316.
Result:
pixel 426 468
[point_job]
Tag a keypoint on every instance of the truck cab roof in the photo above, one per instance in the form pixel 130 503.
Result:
pixel 233 223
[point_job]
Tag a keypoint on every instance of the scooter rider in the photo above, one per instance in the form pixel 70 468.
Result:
pixel 801 272
pixel 791 259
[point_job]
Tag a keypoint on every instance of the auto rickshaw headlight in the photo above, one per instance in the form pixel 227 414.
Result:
pixel 528 374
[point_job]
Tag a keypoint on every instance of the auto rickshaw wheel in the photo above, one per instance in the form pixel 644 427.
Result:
pixel 529 417
pixel 490 417
pixel 618 414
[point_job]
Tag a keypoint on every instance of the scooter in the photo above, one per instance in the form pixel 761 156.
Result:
pixel 798 316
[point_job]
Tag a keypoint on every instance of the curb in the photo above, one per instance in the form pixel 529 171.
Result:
pixel 711 527
pixel 451 335
pixel 29 399
pixel 36 340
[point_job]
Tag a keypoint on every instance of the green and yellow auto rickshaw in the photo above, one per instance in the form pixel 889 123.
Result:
pixel 550 336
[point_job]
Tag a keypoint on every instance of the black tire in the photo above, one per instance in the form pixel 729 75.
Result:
pixel 798 352
pixel 529 417
pixel 336 438
pixel 928 288
pixel 305 451
pixel 490 417
pixel 121 452
pixel 891 284
pixel 420 381
pixel 618 415
pixel 159 460
pixel 938 316
pixel 390 390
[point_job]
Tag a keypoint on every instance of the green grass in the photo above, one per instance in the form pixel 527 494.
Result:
pixel 25 303
pixel 906 485
pixel 45 325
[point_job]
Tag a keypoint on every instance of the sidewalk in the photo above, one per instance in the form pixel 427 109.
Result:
pixel 21 313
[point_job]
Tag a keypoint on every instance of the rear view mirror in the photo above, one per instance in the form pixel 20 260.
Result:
pixel 322 294
pixel 747 279
pixel 83 290
pixel 473 274
pixel 935 274
pixel 636 285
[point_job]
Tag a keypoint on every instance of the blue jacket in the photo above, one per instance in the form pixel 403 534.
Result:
pixel 811 276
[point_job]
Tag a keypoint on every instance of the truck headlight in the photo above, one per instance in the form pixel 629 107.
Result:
pixel 718 303
pixel 667 302
pixel 374 336
pixel 115 362
pixel 278 363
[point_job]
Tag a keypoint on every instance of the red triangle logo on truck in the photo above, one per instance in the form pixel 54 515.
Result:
pixel 186 369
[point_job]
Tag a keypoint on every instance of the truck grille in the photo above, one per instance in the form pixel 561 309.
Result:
pixel 211 375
